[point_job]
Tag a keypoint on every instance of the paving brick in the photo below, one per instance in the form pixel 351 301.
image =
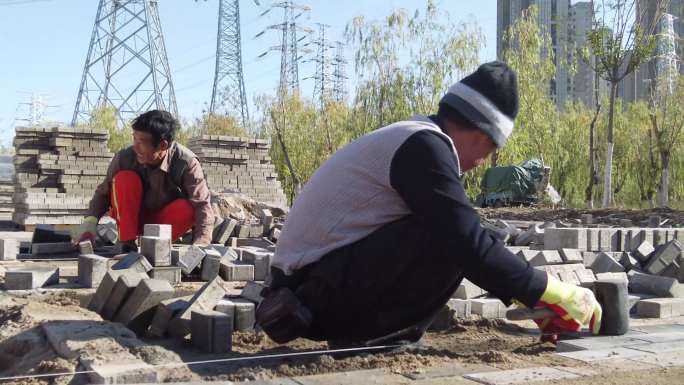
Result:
pixel 205 298
pixel 157 230
pixel 598 343
pixel 572 238
pixel 589 258
pixel 190 258
pixel 663 256
pixel 252 292
pixel 226 306
pixel 468 290
pixel 261 259
pixel 546 257
pixel 157 250
pixel 51 248
pixel 133 261
pixel 122 289
pixel 164 312
pixel 605 263
pixel 660 307
pixel 91 269
pixel 655 285
pixel 244 314
pixel 488 308
pixel 172 274
pixel 231 271
pixel 571 255
pixel 660 347
pixel 86 248
pixel 643 251
pixel 450 371
pixel 593 239
pixel 527 254
pixel 366 377
pixel 612 277
pixel 8 249
pixel 585 277
pixel 138 310
pixel 211 331
pixel 462 308
pixel 521 376
pixel 663 360
pixel 223 231
pixel 103 291
pixel 629 262
pixel 211 266
pixel 31 278
pixel 595 355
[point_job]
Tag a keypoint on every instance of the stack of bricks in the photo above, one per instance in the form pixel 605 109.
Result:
pixel 239 165
pixel 57 170
pixel 6 199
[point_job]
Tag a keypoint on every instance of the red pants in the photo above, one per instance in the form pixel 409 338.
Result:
pixel 127 197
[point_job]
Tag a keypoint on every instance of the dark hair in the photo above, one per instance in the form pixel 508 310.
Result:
pixel 447 113
pixel 161 124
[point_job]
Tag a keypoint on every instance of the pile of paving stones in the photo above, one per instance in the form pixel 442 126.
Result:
pixel 238 164
pixel 6 199
pixel 57 170
pixel 137 289
pixel 648 260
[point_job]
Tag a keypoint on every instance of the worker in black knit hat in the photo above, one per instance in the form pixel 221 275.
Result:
pixel 383 233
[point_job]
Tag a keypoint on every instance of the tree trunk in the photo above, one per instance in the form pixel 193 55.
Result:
pixel 664 186
pixel 593 161
pixel 296 184
pixel 608 173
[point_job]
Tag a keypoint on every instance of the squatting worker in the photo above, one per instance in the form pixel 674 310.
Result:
pixel 383 232
pixel 156 180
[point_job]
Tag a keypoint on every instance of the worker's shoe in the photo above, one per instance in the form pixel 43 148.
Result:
pixel 282 316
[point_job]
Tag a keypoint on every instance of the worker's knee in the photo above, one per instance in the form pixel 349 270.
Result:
pixel 127 179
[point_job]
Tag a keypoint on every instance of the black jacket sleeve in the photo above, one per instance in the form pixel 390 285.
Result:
pixel 425 174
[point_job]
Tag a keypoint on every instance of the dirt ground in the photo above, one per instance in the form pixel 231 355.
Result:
pixel 24 348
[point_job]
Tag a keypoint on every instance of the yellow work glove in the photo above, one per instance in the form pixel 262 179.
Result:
pixel 87 231
pixel 574 305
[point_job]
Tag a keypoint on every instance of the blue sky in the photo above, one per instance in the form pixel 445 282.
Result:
pixel 43 45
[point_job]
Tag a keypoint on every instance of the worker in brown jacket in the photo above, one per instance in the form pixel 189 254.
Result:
pixel 156 180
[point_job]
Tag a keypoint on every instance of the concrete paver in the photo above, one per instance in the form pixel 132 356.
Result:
pixel 519 376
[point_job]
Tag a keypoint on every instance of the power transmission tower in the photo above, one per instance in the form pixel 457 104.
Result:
pixel 126 66
pixel 323 76
pixel 289 47
pixel 34 110
pixel 229 81
pixel 339 77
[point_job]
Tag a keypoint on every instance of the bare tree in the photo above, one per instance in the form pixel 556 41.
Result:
pixel 621 40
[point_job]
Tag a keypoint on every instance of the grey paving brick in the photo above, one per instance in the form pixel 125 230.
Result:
pixel 237 271
pixel 103 291
pixel 8 249
pixel 139 308
pixel 488 308
pixel 468 290
pixel 31 277
pixel 244 314
pixel 205 298
pixel 655 285
pixel 172 274
pixel 190 258
pixel 603 354
pixel 164 312
pixel 91 269
pixel 122 289
pixel 211 265
pixel 133 261
pixel 520 376
pixel 211 331
pixel 157 250
pixel 157 230
pixel 571 255
pixel 605 263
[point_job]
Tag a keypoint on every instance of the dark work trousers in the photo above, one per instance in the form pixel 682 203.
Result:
pixel 393 279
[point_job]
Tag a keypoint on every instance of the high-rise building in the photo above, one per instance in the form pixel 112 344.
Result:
pixel 553 19
pixel 568 25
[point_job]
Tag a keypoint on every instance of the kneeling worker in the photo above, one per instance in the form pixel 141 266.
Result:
pixel 383 232
pixel 156 180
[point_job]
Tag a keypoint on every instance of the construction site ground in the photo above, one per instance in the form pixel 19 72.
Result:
pixel 470 351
